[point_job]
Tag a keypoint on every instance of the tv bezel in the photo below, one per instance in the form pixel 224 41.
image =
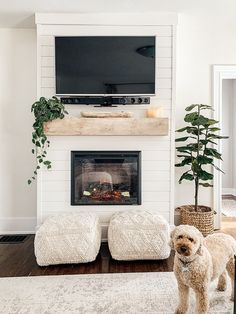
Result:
pixel 112 95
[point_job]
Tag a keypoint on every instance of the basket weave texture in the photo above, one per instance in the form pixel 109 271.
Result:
pixel 203 220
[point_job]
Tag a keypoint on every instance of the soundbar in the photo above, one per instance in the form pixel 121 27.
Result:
pixel 105 101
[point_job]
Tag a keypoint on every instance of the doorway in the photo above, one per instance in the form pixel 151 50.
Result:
pixel 224 103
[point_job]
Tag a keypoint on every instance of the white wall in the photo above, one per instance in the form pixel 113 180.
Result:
pixel 202 40
pixel 17 92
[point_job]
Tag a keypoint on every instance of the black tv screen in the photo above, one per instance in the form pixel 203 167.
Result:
pixel 121 65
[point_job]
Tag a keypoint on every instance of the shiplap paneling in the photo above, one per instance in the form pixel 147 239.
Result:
pixel 54 185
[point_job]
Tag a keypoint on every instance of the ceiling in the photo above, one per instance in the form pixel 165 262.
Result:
pixel 20 13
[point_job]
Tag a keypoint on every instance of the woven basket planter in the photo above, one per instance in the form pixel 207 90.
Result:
pixel 203 220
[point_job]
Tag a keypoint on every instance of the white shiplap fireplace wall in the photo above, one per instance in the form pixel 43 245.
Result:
pixel 53 194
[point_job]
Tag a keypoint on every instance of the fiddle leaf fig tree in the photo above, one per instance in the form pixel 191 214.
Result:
pixel 197 151
pixel 44 110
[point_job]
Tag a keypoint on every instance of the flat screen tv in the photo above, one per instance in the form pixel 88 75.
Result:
pixel 105 65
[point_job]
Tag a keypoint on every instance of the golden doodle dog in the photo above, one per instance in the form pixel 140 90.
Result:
pixel 198 261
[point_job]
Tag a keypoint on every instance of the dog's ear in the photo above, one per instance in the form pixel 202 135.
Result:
pixel 200 250
pixel 171 242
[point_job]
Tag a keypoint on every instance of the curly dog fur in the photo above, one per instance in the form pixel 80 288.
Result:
pixel 198 261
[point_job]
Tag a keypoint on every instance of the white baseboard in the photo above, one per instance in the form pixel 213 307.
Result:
pixel 17 225
pixel 228 191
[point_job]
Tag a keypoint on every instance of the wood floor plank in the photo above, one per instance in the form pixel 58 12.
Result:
pixel 19 260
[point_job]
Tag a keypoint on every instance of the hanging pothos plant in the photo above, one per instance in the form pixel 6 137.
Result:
pixel 44 110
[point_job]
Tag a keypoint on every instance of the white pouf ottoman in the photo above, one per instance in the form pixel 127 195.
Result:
pixel 137 235
pixel 68 238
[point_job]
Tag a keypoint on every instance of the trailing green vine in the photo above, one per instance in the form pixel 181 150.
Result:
pixel 44 110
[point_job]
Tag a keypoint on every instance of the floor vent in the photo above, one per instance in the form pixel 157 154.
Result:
pixel 7 239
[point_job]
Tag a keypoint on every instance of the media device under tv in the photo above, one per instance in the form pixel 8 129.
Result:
pixel 105 68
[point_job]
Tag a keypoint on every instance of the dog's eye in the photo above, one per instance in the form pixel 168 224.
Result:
pixel 191 239
pixel 180 237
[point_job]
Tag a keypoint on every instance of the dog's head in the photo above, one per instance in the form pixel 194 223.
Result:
pixel 186 240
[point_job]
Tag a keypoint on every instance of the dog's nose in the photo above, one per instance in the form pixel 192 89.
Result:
pixel 183 249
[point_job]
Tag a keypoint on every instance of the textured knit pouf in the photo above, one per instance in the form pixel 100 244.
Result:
pixel 68 238
pixel 137 235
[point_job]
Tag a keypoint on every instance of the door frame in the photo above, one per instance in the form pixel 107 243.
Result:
pixel 220 73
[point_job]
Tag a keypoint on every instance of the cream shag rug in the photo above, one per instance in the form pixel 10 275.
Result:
pixel 229 208
pixel 103 293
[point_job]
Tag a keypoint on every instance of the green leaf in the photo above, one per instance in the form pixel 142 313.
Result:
pixel 204 175
pixel 206 185
pixel 210 141
pixel 213 152
pixel 181 139
pixel 182 129
pixel 184 162
pixel 190 130
pixel 189 108
pixel 32 151
pixel 182 156
pixel 200 120
pixel 190 117
pixel 217 168
pixel 195 146
pixel 195 166
pixel 202 106
pixel 186 176
pixel 29 182
pixel 204 160
pixel 184 149
pixel 212 121
pixel 211 135
pixel 214 129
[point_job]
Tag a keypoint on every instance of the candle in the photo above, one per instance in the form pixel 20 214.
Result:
pixel 154 112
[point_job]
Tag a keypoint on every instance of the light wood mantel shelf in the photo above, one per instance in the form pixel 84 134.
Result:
pixel 107 126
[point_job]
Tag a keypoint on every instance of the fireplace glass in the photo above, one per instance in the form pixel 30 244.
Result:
pixel 105 178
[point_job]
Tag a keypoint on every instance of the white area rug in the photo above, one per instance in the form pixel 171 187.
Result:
pixel 229 208
pixel 103 293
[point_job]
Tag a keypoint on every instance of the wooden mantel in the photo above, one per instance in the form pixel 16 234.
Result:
pixel 107 126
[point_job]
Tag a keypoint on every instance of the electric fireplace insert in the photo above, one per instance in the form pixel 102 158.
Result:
pixel 105 178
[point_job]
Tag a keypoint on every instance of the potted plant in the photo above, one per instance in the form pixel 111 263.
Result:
pixel 198 155
pixel 44 110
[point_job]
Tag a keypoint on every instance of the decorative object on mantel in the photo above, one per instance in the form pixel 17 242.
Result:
pixel 44 110
pixel 118 114
pixel 154 112
pixel 107 126
pixel 196 155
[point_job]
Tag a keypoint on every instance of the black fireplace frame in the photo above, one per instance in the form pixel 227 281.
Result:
pixel 138 154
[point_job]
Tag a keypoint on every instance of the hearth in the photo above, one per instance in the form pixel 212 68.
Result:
pixel 105 178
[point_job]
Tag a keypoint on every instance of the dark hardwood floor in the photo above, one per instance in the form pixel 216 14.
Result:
pixel 19 260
